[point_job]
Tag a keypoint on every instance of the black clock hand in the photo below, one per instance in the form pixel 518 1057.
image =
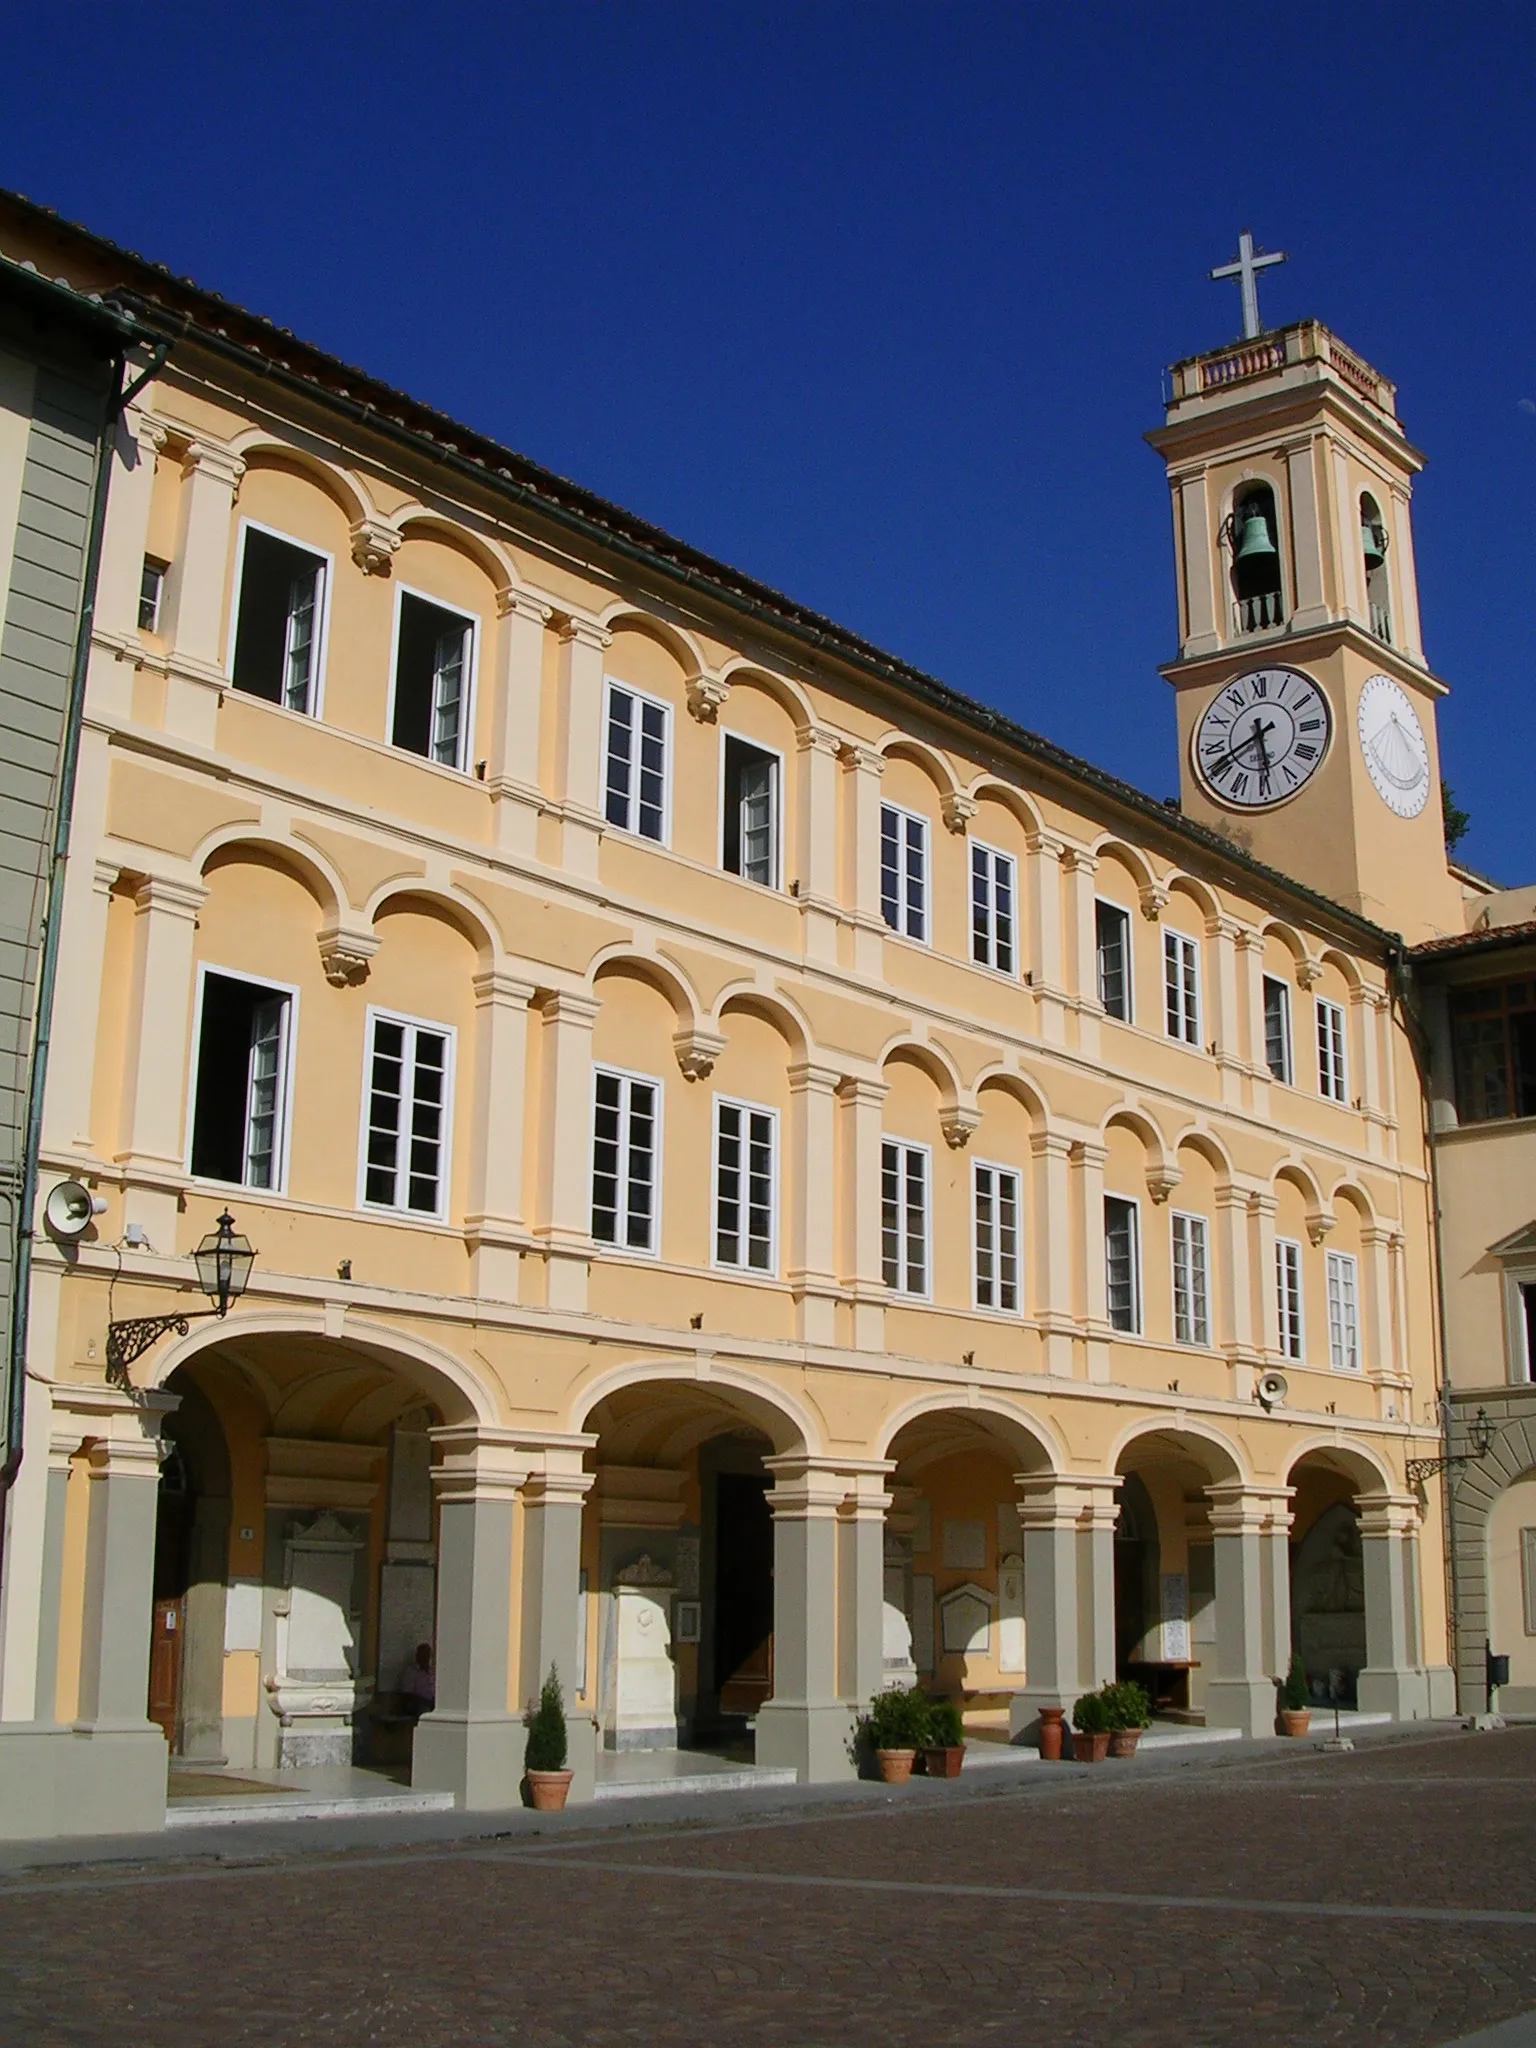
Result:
pixel 1229 759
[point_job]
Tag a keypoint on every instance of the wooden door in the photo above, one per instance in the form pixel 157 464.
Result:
pixel 165 1666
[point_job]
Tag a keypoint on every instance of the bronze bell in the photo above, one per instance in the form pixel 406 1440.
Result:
pixel 1253 538
pixel 1373 538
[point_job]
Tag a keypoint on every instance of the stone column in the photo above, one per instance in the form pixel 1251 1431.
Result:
pixel 1080 866
pixel 512 772
pixel 815 871
pixel 579 743
pixel 551 1605
pixel 1242 1692
pixel 1311 605
pixel 813 1213
pixel 863 1268
pixel 1378 1355
pixel 1205 611
pixel 1275 1582
pixel 1234 1285
pixel 152 1144
pixel 861 1584
pixel 805 1724
pixel 1393 1680
pixel 1225 1022
pixel 1068 1524
pixel 1370 1006
pixel 1264 1208
pixel 865 768
pixel 494 1221
pixel 1049 1271
pixel 115 1782
pixel 196 585
pixel 471 1744
pixel 1249 966
pixel 1088 1157
pixel 564 1214
pixel 1043 958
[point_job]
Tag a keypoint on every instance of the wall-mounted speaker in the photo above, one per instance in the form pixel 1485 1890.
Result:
pixel 71 1209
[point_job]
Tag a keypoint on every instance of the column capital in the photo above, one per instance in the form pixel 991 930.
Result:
pixel 567 1006
pixel 212 459
pixel 512 603
pixel 1089 1152
pixel 1077 860
pixel 1364 997
pixel 1221 926
pixel 865 760
pixel 150 433
pixel 862 1092
pixel 1238 1508
pixel 496 985
pixel 807 1488
pixel 1067 1500
pixel 171 894
pixel 1389 1514
pixel 820 739
pixel 807 1077
pixel 584 632
pixel 1050 1145
pixel 1048 845
pixel 1248 938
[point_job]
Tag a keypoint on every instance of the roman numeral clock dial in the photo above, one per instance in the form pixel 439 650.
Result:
pixel 1262 738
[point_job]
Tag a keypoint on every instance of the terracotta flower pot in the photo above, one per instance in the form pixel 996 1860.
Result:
pixel 1123 1741
pixel 944 1761
pixel 1052 1722
pixel 1090 1746
pixel 1295 1720
pixel 895 1765
pixel 548 1790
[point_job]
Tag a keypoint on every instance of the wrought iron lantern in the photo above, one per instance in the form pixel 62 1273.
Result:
pixel 223 1259
pixel 1481 1436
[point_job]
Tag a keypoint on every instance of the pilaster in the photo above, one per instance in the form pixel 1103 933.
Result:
pixel 195 589
pixel 494 1222
pixel 512 771
pixel 813 1217
pixel 1043 960
pixel 863 1268
pixel 579 742
pixel 816 842
pixel 151 1145
pixel 1080 867
pixel 1049 1269
pixel 563 1218
pixel 1088 1159
pixel 864 766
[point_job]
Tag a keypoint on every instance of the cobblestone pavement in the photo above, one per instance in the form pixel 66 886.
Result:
pixel 1387 1897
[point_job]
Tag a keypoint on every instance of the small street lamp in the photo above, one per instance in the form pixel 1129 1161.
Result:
pixel 223 1260
pixel 1481 1435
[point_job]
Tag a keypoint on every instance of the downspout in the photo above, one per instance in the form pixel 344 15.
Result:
pixel 16 1363
pixel 1402 986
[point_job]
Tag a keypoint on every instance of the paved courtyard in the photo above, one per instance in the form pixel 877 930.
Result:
pixel 1259 1899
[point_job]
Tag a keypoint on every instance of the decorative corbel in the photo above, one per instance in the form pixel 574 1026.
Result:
pixel 345 954
pixel 706 694
pixel 374 542
pixel 1319 1223
pixel 959 1125
pixel 697 1051
pixel 1154 901
pixel 1308 973
pixel 957 809
pixel 1162 1180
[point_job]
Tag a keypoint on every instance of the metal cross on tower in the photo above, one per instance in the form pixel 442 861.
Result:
pixel 1246 269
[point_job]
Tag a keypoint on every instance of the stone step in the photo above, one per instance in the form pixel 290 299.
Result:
pixel 232 1812
pixel 749 1778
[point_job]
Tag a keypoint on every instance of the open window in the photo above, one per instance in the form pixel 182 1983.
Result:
pixel 434 675
pixel 240 1098
pixel 1122 1263
pixel 280 606
pixel 1112 941
pixel 1258 597
pixel 751 836
pixel 1278 1056
pixel 1373 546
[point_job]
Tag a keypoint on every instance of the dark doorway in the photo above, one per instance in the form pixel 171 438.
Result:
pixel 173 1546
pixel 743 1592
pixel 1137 1561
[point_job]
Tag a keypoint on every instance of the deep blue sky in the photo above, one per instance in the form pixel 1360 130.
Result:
pixel 873 300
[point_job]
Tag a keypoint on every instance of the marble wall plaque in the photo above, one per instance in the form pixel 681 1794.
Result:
pixel 966 1622
pixel 1010 1614
pixel 1175 1615
pixel 965 1546
pixel 922 1621
pixel 242 1615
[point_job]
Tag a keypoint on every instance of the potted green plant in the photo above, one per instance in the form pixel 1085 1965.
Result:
pixel 1295 1699
pixel 1090 1729
pixel 549 1782
pixel 896 1728
pixel 944 1750
pixel 1129 1711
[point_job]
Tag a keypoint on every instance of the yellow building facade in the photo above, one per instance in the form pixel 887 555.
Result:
pixel 767 1180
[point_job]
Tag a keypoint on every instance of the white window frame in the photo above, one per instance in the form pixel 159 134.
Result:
pixel 1138 1305
pixel 1108 903
pixel 1292 1330
pixel 906 818
pixel 742 1267
pixel 992 855
pixel 999 1171
pixel 290 1057
pixel 776 753
pixel 633 1251
pixel 632 831
pixel 1332 1058
pixel 375 1014
pixel 1186 1014
pixel 323 629
pixel 1342 1265
pixel 152 564
pixel 1197 1232
pixel 464 764
pixel 1287 1079
pixel 901 1290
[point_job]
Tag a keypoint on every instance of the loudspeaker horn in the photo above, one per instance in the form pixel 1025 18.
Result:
pixel 1272 1389
pixel 71 1208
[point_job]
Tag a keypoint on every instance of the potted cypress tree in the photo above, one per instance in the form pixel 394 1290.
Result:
pixel 896 1728
pixel 1129 1711
pixel 944 1750
pixel 1090 1729
pixel 1295 1699
pixel 549 1782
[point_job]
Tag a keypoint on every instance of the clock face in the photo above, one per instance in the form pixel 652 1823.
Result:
pixel 1392 741
pixel 1262 738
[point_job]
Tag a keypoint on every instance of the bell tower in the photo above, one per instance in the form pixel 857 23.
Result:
pixel 1306 708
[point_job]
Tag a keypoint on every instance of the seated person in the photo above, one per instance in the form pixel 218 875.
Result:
pixel 418 1684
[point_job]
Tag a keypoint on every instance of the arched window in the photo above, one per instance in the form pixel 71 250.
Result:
pixel 1373 545
pixel 1258 600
